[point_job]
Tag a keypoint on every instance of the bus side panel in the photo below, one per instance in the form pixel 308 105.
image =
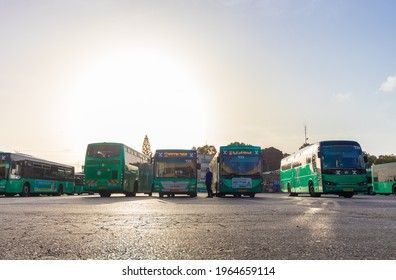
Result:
pixel 383 187
pixel 129 177
pixel 285 177
pixel 14 186
pixel 145 178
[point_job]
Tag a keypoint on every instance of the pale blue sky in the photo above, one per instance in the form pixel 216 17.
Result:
pixel 190 73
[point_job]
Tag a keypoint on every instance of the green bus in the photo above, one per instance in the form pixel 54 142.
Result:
pixel 237 171
pixel 326 167
pixel 116 168
pixel 383 179
pixel 79 179
pixel 28 176
pixel 175 172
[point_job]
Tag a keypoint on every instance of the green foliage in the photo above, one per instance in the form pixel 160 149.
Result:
pixel 146 150
pixel 205 150
pixel 238 144
pixel 271 158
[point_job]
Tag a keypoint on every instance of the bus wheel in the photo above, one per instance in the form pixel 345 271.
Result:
pixel 312 190
pixel 348 195
pixel 252 194
pixel 394 189
pixel 193 195
pixel 25 190
pixel 290 192
pixel 161 194
pixel 60 191
pixel 105 194
pixel 135 189
pixel 370 191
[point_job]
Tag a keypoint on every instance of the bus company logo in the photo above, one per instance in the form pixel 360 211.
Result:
pixel 3 157
pixel 236 153
pixel 175 154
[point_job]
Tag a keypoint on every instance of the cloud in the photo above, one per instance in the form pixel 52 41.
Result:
pixel 343 96
pixel 389 85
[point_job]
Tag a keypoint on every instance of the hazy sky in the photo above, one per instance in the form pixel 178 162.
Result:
pixel 190 73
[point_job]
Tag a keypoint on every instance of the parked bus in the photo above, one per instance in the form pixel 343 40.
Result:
pixel 79 179
pixel 326 167
pixel 383 179
pixel 175 172
pixel 271 181
pixel 26 175
pixel 237 170
pixel 116 168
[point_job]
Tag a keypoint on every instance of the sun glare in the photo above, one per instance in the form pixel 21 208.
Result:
pixel 124 86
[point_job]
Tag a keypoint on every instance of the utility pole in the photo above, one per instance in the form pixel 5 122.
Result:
pixel 305 132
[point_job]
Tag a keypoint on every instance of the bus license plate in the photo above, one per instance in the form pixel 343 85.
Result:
pixel 174 190
pixel 348 190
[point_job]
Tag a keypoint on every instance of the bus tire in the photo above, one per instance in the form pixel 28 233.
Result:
pixel 370 191
pixel 25 190
pixel 105 194
pixel 135 189
pixel 161 194
pixel 290 192
pixel 311 190
pixel 394 189
pixel 60 191
pixel 252 195
pixel 348 195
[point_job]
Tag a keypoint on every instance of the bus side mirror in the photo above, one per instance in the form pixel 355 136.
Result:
pixel 319 155
pixel 365 159
pixel 218 159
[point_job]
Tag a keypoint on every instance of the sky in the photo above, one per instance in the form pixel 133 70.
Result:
pixel 197 72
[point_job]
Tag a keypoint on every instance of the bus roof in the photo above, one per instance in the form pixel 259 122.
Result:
pixel 238 147
pixel 338 142
pixel 20 156
pixel 176 150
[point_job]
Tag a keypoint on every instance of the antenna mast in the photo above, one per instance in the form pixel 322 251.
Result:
pixel 305 132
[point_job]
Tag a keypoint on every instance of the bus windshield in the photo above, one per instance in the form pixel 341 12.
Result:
pixel 177 168
pixel 342 156
pixel 241 165
pixel 104 151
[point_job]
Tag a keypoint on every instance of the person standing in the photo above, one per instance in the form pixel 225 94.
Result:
pixel 208 182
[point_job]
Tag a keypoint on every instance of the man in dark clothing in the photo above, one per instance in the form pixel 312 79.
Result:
pixel 208 182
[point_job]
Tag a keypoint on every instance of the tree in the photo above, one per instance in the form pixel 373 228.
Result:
pixel 385 159
pixel 205 150
pixel 371 159
pixel 271 158
pixel 146 150
pixel 238 144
